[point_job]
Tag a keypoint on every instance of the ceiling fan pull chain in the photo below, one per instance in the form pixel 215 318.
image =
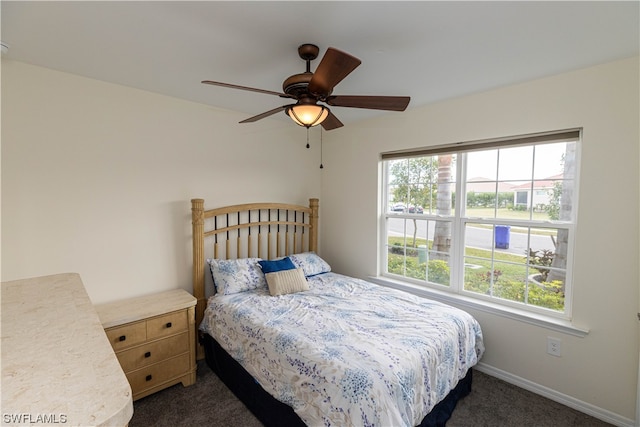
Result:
pixel 308 138
pixel 321 166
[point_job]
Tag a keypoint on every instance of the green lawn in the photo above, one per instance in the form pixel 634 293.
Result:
pixel 505 213
pixel 510 214
pixel 504 276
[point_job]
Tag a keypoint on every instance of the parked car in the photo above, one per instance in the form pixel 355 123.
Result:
pixel 398 207
pixel 416 209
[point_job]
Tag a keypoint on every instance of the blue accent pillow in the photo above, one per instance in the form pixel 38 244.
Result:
pixel 276 265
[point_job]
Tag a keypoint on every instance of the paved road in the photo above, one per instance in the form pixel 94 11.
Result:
pixel 477 237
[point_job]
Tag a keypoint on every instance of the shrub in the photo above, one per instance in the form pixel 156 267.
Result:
pixel 396 249
pixel 542 258
pixel 439 271
pixel 549 295
pixel 506 284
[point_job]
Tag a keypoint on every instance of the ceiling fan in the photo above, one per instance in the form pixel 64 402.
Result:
pixel 308 89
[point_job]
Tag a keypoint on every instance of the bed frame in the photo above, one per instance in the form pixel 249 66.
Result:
pixel 265 230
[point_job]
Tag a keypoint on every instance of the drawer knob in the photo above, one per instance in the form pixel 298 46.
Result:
pixel 148 377
pixel 147 354
pixel 122 338
pixel 168 325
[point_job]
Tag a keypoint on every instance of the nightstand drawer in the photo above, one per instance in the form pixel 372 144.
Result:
pixel 153 352
pixel 126 336
pixel 159 373
pixel 168 324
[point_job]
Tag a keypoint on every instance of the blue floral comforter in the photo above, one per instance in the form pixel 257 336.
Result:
pixel 348 352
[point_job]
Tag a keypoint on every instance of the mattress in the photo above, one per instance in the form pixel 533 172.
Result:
pixel 347 352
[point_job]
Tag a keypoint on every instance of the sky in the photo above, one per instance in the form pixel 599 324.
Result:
pixel 517 163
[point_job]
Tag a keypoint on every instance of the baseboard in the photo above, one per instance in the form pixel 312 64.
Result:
pixel 578 405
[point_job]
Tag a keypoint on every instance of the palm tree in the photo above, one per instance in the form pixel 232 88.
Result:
pixel 442 232
pixel 566 203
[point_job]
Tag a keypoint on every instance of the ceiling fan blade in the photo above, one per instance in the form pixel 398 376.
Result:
pixel 265 114
pixel 331 122
pixel 251 89
pixel 391 103
pixel 334 66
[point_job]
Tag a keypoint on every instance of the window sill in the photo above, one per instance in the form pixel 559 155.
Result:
pixel 558 325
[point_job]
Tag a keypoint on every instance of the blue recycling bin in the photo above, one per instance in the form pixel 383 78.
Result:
pixel 502 236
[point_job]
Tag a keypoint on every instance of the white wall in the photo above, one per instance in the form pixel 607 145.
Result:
pixel 97 178
pixel 600 369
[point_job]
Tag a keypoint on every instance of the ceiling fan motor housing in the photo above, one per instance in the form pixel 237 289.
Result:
pixel 297 84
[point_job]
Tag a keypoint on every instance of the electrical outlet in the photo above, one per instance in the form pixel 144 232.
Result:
pixel 554 346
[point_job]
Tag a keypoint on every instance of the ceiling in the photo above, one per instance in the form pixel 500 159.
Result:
pixel 428 50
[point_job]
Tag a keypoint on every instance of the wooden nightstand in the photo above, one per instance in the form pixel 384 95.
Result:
pixel 154 338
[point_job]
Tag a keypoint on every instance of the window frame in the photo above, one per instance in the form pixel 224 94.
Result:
pixel 460 219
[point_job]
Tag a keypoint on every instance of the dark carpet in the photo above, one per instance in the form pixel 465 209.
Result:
pixel 492 403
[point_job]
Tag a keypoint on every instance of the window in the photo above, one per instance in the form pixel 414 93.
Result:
pixel 491 220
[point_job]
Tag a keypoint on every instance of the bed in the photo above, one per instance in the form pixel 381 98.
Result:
pixel 300 344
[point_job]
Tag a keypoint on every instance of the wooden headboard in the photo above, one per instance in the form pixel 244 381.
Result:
pixel 264 230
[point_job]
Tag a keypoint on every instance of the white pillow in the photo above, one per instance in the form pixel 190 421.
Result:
pixel 231 276
pixel 311 263
pixel 287 282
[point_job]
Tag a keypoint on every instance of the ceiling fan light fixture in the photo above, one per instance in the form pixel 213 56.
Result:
pixel 308 115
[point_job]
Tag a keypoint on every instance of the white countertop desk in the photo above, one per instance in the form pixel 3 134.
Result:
pixel 57 364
